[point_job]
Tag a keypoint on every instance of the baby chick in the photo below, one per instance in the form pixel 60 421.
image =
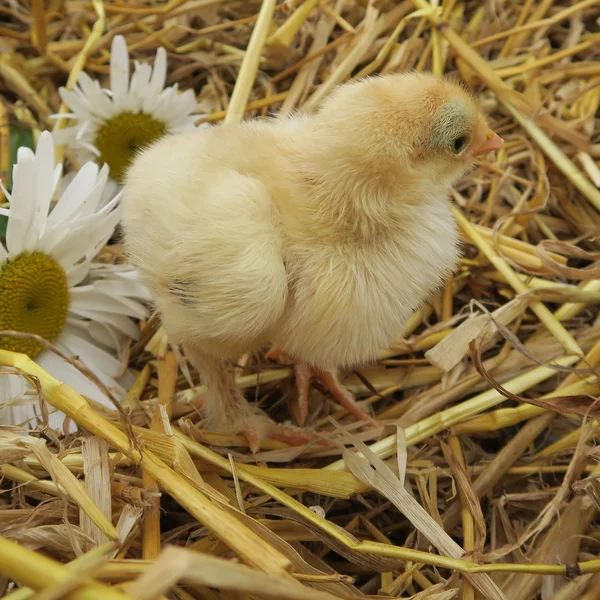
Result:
pixel 319 234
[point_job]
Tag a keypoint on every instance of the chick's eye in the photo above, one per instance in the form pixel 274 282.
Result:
pixel 459 143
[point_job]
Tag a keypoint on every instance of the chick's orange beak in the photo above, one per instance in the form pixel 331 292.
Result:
pixel 492 142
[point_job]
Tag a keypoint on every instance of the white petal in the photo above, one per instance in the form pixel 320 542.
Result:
pixel 44 172
pixel 23 153
pixel 78 105
pixel 98 99
pixel 15 410
pixel 22 204
pixel 119 70
pixel 175 108
pixel 186 124
pixel 85 241
pixel 91 149
pixel 75 234
pixel 98 333
pixel 130 276
pixel 94 116
pixel 73 197
pixel 118 326
pixel 87 299
pixel 108 328
pixel 68 374
pixel 56 177
pixel 64 136
pixel 92 202
pixel 65 181
pixel 56 116
pixel 111 189
pixel 87 215
pixel 186 102
pixel 159 74
pixel 164 105
pixel 52 238
pixel 77 273
pixel 137 88
pixel 108 336
pixel 89 354
pixel 120 288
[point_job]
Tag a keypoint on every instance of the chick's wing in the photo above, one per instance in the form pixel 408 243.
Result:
pixel 214 262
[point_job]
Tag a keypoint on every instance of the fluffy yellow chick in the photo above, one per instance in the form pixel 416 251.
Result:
pixel 317 234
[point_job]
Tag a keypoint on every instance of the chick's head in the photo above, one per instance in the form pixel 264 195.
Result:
pixel 416 124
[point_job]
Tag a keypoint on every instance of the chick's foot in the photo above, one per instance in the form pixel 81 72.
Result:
pixel 305 373
pixel 256 428
pixel 227 411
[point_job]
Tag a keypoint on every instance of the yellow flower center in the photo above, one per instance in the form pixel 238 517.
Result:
pixel 122 136
pixel 34 298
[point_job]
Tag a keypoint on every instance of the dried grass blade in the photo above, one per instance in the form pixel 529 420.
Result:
pixel 373 471
pixel 317 570
pixel 249 546
pixel 178 564
pixel 505 417
pixel 287 32
pixel 511 101
pixel 31 481
pixel 167 376
pixel 249 68
pixel 469 408
pixel 542 312
pixel 468 497
pixel 97 483
pixel 128 519
pixel 74 489
pixel 38 572
pixel 453 348
pixel 91 561
pixel 362 42
pixel 78 65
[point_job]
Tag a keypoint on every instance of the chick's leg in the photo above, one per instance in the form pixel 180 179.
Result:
pixel 329 378
pixel 227 411
pixel 345 397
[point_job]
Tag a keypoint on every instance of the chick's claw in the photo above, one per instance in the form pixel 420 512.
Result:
pixel 257 428
pixel 345 397
pixel 329 378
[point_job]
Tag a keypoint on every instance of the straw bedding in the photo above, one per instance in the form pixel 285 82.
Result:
pixel 482 480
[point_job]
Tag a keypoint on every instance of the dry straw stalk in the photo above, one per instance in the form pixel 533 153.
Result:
pixel 514 486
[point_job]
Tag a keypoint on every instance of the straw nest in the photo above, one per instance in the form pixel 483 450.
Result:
pixel 481 481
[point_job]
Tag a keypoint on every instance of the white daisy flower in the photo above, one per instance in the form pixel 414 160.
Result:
pixel 50 286
pixel 113 124
pixel 111 189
